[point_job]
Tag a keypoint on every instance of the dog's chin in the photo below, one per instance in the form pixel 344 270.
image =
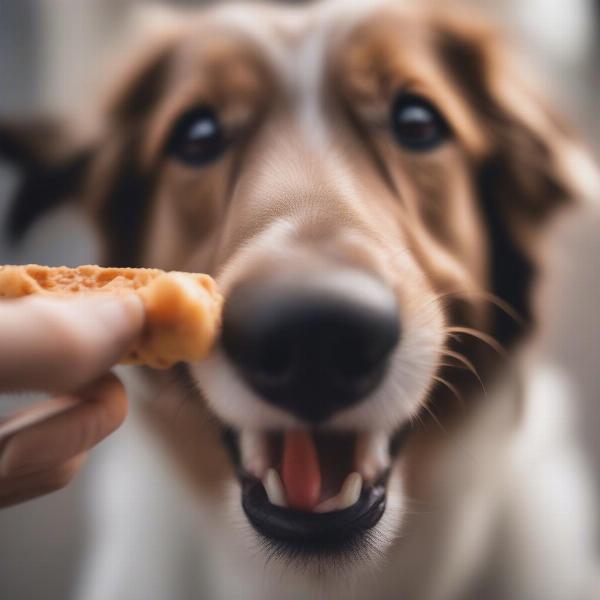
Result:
pixel 333 570
pixel 356 517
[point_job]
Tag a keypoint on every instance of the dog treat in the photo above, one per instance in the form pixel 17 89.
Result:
pixel 183 310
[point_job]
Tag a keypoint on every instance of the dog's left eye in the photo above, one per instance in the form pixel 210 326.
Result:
pixel 417 124
pixel 197 138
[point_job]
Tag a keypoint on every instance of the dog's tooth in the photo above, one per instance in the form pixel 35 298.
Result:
pixel 350 491
pixel 328 505
pixel 254 453
pixel 346 497
pixel 274 488
pixel 372 454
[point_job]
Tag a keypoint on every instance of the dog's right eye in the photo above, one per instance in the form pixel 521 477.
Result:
pixel 417 124
pixel 197 138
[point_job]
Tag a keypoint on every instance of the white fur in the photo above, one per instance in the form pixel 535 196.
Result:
pixel 395 400
pixel 153 540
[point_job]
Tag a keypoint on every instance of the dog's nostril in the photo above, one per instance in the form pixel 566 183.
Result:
pixel 313 345
pixel 350 358
pixel 354 370
pixel 275 362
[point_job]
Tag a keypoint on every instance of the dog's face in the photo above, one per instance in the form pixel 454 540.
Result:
pixel 362 183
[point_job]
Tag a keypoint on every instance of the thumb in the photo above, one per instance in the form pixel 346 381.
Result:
pixel 56 344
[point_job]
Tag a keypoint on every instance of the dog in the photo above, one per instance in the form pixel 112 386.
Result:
pixel 370 183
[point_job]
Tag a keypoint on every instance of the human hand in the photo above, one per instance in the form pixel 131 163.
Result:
pixel 63 346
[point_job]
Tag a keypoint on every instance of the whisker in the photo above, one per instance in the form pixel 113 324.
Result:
pixel 432 415
pixel 419 418
pixel 504 306
pixel 467 363
pixel 480 335
pixel 454 336
pixel 451 387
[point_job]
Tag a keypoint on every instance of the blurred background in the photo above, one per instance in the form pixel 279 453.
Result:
pixel 49 56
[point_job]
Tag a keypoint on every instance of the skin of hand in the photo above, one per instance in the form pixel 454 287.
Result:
pixel 66 347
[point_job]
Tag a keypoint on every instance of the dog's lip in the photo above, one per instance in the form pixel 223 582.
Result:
pixel 342 463
pixel 308 531
pixel 313 532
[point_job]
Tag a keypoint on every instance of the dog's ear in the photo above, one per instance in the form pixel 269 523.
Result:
pixel 50 161
pixel 122 179
pixel 530 144
pixel 55 160
pixel 533 165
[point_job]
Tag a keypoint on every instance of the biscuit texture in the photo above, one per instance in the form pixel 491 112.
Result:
pixel 183 310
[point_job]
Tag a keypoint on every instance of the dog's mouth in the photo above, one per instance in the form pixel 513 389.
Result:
pixel 313 491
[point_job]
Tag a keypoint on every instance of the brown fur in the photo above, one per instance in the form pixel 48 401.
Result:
pixel 464 218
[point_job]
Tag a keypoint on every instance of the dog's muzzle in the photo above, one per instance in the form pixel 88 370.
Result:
pixel 312 345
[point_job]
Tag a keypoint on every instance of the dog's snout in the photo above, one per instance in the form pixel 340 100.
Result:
pixel 312 345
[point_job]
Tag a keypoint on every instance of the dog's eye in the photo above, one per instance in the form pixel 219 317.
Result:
pixel 197 138
pixel 417 124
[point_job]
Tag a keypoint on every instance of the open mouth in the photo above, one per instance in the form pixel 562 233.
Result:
pixel 311 491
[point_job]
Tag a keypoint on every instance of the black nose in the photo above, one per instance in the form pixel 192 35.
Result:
pixel 312 345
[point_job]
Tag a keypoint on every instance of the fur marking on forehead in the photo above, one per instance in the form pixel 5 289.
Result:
pixel 288 35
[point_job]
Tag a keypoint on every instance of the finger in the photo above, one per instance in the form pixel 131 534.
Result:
pixel 38 413
pixel 26 487
pixel 60 344
pixel 96 412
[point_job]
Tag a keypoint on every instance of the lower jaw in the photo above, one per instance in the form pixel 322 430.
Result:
pixel 298 532
pixel 293 533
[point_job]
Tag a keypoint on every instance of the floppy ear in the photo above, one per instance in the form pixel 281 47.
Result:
pixel 56 163
pixel 533 166
pixel 123 183
pixel 51 164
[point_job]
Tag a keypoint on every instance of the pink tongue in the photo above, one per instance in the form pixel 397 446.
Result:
pixel 300 472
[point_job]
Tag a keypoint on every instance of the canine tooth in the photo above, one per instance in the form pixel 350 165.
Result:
pixel 328 505
pixel 372 454
pixel 254 453
pixel 350 491
pixel 346 497
pixel 274 488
